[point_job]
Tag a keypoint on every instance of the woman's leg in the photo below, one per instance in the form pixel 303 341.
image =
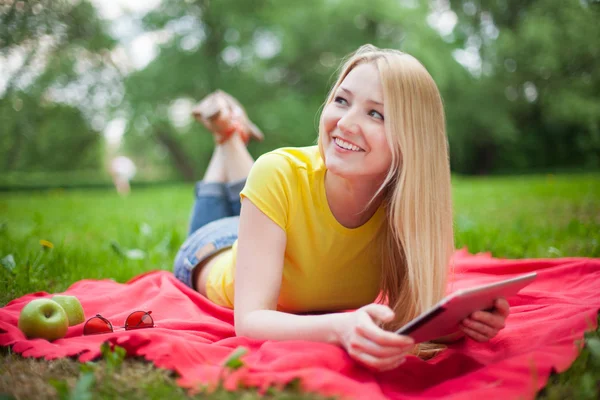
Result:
pixel 211 194
pixel 216 198
pixel 217 195
pixel 215 172
pixel 239 163
pixel 233 194
pixel 225 177
pixel 211 205
pixel 238 160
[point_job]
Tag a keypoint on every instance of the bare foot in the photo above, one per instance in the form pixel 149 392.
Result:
pixel 224 115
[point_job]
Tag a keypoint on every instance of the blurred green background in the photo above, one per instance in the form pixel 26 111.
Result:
pixel 83 81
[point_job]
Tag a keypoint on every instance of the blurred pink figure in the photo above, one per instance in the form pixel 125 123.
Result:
pixel 122 170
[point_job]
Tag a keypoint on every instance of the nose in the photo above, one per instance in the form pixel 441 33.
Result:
pixel 348 124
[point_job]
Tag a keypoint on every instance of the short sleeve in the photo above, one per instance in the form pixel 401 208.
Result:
pixel 270 187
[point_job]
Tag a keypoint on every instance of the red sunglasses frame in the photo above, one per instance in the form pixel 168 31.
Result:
pixel 128 326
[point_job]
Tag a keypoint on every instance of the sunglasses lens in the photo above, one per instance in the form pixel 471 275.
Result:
pixel 97 325
pixel 138 320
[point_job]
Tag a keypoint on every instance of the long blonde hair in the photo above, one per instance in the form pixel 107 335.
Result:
pixel 419 238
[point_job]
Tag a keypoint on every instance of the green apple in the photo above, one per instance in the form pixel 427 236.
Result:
pixel 43 318
pixel 72 307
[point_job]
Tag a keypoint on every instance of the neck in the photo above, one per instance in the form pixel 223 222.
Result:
pixel 348 199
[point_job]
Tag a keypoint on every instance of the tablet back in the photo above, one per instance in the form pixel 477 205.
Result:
pixel 444 318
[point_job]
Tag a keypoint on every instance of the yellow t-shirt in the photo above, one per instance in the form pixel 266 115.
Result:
pixel 327 266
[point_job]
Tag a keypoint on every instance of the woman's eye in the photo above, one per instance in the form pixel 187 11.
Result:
pixel 376 114
pixel 340 100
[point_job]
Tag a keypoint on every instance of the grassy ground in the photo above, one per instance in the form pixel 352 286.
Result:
pixel 93 230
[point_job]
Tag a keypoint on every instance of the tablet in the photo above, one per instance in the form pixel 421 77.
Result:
pixel 443 318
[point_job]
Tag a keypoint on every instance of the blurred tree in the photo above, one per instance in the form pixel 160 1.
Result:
pixel 62 70
pixel 524 97
pixel 277 58
pixel 538 84
pixel 46 136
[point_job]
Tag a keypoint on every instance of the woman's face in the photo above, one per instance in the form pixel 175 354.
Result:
pixel 352 125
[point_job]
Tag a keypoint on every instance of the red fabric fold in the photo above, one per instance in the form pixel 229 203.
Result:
pixel 194 336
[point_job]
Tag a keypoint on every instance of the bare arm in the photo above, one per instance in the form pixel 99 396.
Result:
pixel 259 268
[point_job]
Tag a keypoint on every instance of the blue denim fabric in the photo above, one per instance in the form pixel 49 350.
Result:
pixel 213 226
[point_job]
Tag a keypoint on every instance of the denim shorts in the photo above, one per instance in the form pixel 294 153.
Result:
pixel 213 227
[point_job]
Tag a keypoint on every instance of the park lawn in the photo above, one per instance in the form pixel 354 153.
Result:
pixel 92 230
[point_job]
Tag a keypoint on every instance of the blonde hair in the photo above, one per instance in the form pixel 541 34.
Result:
pixel 418 240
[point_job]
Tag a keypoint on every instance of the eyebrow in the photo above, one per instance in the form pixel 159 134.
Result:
pixel 369 100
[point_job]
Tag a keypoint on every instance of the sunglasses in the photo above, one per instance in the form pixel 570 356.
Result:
pixel 135 320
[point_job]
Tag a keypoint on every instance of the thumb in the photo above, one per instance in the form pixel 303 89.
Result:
pixel 379 312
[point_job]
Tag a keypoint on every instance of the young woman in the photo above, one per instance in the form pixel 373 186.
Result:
pixel 326 229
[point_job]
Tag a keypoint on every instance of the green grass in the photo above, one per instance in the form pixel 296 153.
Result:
pixel 511 217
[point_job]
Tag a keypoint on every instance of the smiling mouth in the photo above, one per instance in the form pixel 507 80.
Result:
pixel 346 145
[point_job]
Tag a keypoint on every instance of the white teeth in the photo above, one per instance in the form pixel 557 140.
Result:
pixel 346 145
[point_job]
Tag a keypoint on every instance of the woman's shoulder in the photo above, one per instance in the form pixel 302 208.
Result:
pixel 298 158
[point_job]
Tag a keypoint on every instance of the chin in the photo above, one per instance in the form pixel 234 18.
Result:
pixel 352 171
pixel 340 167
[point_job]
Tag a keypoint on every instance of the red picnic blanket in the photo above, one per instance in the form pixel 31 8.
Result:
pixel 194 336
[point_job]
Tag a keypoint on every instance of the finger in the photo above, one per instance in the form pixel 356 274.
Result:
pixel 379 364
pixel 490 319
pixel 385 364
pixel 379 312
pixel 367 328
pixel 473 334
pixel 502 307
pixel 393 365
pixel 483 329
pixel 381 337
pixel 362 344
pixel 375 361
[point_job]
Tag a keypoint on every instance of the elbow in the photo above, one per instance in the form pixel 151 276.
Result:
pixel 239 329
pixel 252 324
pixel 240 324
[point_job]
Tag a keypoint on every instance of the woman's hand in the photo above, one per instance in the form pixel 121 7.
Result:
pixel 369 344
pixel 483 325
